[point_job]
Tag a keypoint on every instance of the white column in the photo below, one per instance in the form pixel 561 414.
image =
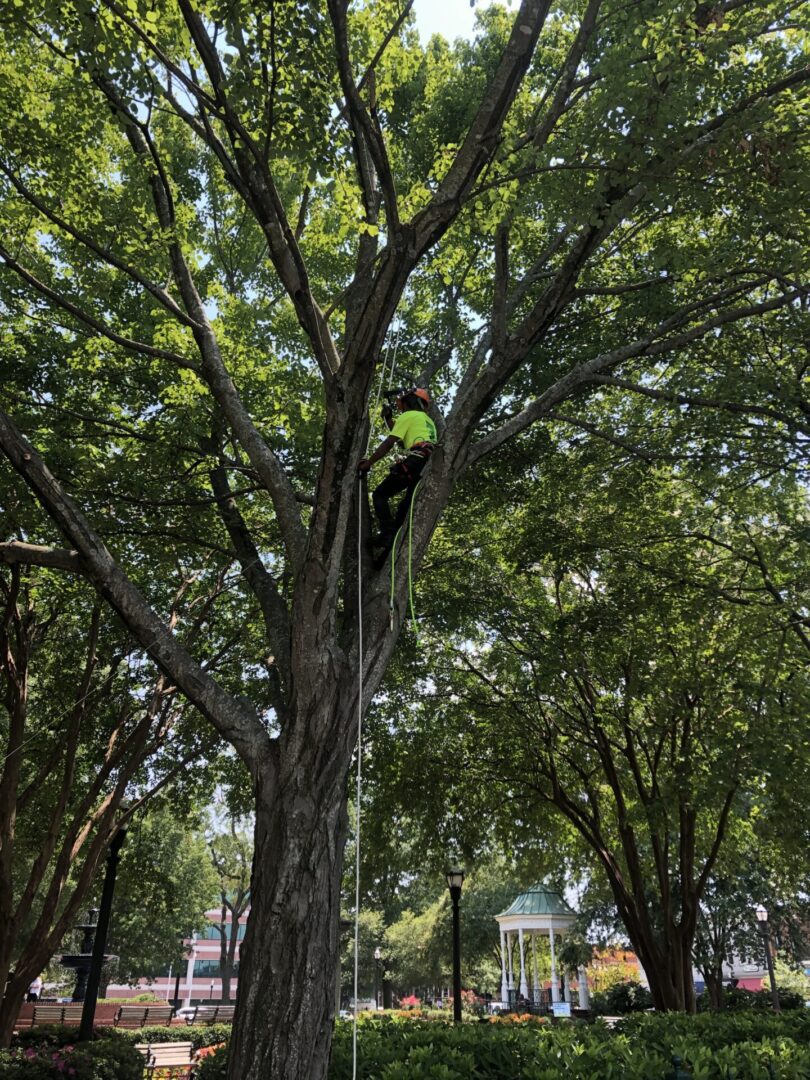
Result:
pixel 504 983
pixel 524 989
pixel 190 975
pixel 566 988
pixel 510 980
pixel 555 990
pixel 584 996
pixel 535 976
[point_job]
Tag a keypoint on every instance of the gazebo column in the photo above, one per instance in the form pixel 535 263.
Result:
pixel 510 981
pixel 566 986
pixel 524 989
pixel 584 996
pixel 555 989
pixel 535 977
pixel 504 982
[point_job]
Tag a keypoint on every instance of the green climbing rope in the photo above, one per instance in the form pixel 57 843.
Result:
pixel 410 567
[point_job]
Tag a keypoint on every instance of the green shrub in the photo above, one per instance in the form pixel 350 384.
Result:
pixel 736 999
pixel 103 1059
pixel 198 1035
pixel 750 1046
pixel 623 997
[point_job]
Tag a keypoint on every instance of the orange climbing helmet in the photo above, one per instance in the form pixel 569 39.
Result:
pixel 423 394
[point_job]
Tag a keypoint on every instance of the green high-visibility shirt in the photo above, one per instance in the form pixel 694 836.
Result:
pixel 412 427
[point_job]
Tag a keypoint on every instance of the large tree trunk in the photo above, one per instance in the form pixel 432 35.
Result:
pixel 667 965
pixel 283 1023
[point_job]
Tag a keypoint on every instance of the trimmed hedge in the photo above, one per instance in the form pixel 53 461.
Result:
pixel 747 1047
pixel 199 1035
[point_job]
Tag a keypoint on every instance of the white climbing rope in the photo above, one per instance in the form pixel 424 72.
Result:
pixel 359 767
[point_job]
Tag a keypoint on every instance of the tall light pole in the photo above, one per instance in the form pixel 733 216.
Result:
pixel 377 980
pixel 100 940
pixel 762 919
pixel 455 879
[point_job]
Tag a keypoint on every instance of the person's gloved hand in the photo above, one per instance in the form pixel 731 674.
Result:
pixel 363 466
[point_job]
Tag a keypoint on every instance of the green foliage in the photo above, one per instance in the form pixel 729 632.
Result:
pixel 198 1035
pixel 737 998
pixel 640 1049
pixel 624 997
pixel 165 885
pixel 46 1054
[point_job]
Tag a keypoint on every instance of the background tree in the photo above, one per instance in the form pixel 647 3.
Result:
pixel 231 855
pixel 574 197
pixel 630 669
pixel 164 887
pixel 91 732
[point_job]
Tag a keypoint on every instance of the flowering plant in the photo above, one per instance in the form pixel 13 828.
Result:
pixel 105 1059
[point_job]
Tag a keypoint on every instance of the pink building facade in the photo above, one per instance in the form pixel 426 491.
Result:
pixel 200 980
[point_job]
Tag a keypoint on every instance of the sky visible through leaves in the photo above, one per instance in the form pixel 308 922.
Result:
pixel 450 18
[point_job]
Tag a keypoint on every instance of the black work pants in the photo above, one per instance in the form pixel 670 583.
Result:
pixel 404 476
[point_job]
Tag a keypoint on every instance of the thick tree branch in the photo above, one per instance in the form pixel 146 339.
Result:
pixel 213 369
pixel 261 582
pixel 15 552
pixel 655 344
pixel 234 720
pixel 89 320
pixel 483 134
pixel 366 134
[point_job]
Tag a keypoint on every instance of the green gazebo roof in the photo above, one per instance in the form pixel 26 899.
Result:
pixel 539 900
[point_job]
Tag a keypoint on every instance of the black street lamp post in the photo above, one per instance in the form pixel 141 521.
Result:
pixel 100 941
pixel 455 879
pixel 762 919
pixel 377 979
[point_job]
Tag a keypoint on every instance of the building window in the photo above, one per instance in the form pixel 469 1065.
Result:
pixel 210 969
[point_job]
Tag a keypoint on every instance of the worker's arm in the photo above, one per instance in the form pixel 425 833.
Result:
pixel 380 452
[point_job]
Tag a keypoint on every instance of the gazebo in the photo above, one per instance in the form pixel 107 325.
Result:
pixel 538 911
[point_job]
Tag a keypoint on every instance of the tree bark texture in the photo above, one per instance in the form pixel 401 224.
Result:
pixel 290 951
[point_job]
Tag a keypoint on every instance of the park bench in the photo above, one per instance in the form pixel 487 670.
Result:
pixel 135 1016
pixel 69 1013
pixel 179 1057
pixel 211 1014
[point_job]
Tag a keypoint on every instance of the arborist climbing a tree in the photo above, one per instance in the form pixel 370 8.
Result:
pixel 414 430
